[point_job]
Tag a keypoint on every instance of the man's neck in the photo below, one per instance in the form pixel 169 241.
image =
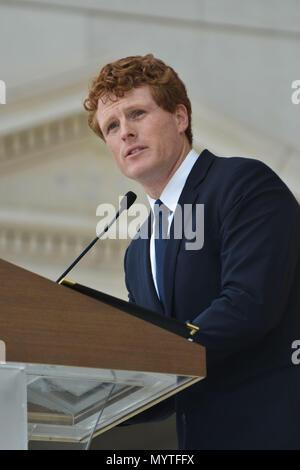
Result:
pixel 155 189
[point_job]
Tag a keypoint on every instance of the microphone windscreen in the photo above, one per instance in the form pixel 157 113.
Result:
pixel 127 200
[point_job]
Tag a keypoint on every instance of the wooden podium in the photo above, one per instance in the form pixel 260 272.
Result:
pixel 86 353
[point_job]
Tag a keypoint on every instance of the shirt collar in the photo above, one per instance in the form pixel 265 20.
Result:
pixel 172 191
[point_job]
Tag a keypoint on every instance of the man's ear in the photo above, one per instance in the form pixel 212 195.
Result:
pixel 181 116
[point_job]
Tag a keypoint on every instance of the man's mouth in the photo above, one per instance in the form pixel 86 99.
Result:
pixel 134 151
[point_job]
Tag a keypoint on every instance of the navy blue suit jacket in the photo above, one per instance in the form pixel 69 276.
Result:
pixel 242 289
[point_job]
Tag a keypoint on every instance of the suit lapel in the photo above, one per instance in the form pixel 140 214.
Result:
pixel 188 196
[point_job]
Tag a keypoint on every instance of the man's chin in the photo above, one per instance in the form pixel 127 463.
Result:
pixel 138 174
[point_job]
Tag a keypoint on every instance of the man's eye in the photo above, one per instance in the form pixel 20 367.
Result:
pixel 111 126
pixel 137 113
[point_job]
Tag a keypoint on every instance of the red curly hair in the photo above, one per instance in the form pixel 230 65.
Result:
pixel 121 76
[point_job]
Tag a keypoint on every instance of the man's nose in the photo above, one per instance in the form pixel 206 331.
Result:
pixel 127 130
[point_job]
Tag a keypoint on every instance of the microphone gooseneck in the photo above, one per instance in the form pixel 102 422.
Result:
pixel 125 203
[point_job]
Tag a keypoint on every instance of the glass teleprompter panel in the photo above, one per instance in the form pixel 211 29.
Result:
pixel 65 403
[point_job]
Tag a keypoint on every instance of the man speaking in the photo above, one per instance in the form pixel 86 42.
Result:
pixel 240 287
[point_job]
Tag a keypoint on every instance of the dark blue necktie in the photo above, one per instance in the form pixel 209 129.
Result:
pixel 161 213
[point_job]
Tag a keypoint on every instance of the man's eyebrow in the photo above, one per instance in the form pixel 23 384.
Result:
pixel 128 108
pixel 132 107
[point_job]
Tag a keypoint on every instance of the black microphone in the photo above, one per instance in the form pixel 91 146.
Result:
pixel 125 203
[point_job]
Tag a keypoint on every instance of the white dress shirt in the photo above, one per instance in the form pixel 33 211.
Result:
pixel 169 198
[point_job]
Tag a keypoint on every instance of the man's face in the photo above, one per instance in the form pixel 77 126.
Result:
pixel 146 141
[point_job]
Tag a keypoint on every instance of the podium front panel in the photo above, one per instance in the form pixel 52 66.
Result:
pixel 65 403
